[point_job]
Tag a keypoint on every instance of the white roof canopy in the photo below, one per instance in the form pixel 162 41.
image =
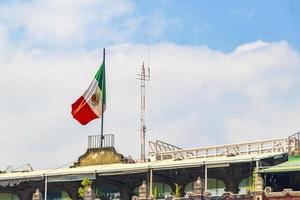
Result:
pixel 78 173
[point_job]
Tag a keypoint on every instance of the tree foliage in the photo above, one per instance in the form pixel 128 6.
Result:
pixel 252 179
pixel 177 190
pixel 155 194
pixel 85 184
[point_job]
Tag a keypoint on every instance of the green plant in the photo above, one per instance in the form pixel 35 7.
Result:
pixel 155 194
pixel 177 190
pixel 103 195
pixel 251 184
pixel 85 184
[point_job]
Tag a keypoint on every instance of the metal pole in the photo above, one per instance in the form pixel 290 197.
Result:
pixel 46 187
pixel 205 177
pixel 143 128
pixel 151 181
pixel 102 105
pixel 143 76
pixel 298 141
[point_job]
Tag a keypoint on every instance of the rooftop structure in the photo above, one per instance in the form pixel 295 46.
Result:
pixel 160 150
pixel 221 168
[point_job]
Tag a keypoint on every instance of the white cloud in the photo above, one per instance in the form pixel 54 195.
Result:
pixel 80 24
pixel 197 97
pixel 156 24
pixel 54 22
pixel 263 121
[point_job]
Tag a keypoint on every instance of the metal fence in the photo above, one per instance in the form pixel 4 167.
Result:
pixel 294 139
pixel 160 152
pixel 94 141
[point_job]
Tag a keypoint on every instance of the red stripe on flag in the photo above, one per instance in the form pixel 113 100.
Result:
pixel 82 112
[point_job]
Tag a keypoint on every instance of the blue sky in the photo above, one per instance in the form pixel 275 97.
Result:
pixel 223 25
pixel 220 25
pixel 222 72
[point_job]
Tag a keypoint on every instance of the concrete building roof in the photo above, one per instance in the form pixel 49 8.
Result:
pixel 72 174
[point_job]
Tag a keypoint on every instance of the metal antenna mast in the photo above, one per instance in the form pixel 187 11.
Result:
pixel 143 76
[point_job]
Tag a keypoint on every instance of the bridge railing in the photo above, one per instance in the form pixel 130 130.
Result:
pixel 295 139
pixel 160 146
pixel 267 146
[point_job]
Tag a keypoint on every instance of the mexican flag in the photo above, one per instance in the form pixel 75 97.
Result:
pixel 91 104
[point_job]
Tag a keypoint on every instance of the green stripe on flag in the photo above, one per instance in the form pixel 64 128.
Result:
pixel 100 77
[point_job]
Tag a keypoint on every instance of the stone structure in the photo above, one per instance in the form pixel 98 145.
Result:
pixel 258 193
pixel 100 156
pixel 198 186
pixel 231 196
pixel 286 194
pixel 89 194
pixel 143 191
pixel 37 195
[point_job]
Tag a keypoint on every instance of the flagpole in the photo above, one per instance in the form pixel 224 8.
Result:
pixel 102 105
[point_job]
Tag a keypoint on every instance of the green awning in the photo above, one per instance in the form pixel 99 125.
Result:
pixel 292 165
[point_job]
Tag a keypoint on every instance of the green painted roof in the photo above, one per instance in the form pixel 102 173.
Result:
pixel 292 165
